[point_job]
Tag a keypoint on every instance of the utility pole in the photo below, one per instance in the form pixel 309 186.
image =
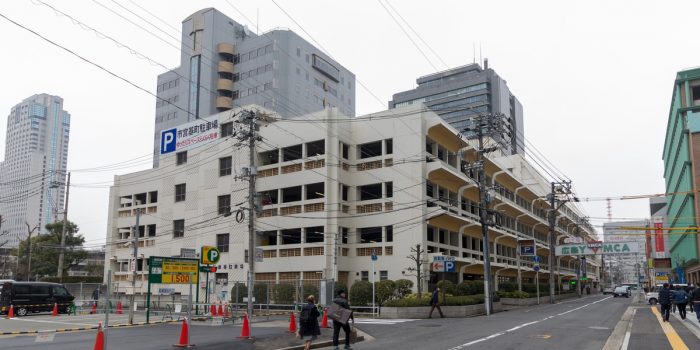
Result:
pixel 135 232
pixel 63 233
pixel 29 250
pixel 486 125
pixel 558 188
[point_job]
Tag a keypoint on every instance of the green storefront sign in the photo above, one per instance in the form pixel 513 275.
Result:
pixel 597 248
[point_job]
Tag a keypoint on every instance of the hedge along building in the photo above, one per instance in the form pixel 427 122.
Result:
pixel 332 190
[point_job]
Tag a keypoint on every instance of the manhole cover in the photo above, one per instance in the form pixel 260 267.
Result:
pixel 431 325
pixel 540 336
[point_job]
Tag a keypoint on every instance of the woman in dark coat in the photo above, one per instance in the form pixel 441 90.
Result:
pixel 308 322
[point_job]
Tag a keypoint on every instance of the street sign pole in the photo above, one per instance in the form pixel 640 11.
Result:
pixel 537 283
pixel 374 305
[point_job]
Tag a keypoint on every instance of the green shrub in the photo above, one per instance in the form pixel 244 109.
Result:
pixel 403 287
pixel 508 286
pixel 412 301
pixel 385 291
pixel 309 289
pixel 514 294
pixel 284 293
pixel 447 287
pixel 470 288
pixel 74 279
pixel 242 292
pixel 361 293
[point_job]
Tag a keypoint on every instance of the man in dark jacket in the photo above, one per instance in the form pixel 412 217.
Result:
pixel 342 301
pixel 695 300
pixel 435 303
pixel 665 296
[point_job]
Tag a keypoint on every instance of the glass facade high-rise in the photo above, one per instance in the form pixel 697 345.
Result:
pixel 33 172
pixel 459 94
pixel 224 65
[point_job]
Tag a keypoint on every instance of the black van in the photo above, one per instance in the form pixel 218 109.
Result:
pixel 29 297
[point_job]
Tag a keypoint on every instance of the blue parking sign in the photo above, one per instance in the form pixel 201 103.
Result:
pixel 450 266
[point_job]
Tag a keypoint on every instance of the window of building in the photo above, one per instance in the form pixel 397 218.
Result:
pixel 389 233
pixel 179 228
pixel 269 197
pixel 314 234
pixel 315 191
pixel 298 52
pixel 371 234
pixel 388 146
pixel 227 128
pixel 370 149
pixel 315 148
pixel 369 192
pixel 431 234
pixel 364 275
pixel 222 242
pixel 181 157
pixel 291 153
pixel 291 194
pixel 696 92
pixel 225 165
pixel 291 236
pixel 345 150
pixel 222 278
pixel 383 275
pixel 268 157
pixel 344 233
pixel 180 192
pixel 344 189
pixel 224 204
pixel 268 238
pixel 389 189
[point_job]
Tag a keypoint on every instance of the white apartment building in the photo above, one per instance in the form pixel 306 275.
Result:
pixel 33 172
pixel 333 190
pixel 626 268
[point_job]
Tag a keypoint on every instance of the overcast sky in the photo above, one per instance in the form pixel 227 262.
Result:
pixel 595 78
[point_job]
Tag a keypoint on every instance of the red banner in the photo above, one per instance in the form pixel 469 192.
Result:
pixel 659 236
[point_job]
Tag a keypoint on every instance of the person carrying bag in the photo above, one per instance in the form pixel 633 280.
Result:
pixel 341 315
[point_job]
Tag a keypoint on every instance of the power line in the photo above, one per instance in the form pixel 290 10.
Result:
pixel 407 35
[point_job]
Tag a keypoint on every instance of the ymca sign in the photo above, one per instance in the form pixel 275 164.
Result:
pixel 187 135
pixel 597 248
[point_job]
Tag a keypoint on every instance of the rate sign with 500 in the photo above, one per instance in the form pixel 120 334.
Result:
pixel 179 271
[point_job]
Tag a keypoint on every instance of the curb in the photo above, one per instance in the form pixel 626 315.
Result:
pixel 65 330
pixel 322 344
pixel 616 338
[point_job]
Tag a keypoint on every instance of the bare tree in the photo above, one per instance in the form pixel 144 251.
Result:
pixel 417 257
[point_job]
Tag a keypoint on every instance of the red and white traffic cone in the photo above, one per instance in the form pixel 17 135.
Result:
pixel 226 313
pixel 11 312
pixel 55 310
pixel 292 324
pixel 94 308
pixel 212 310
pixel 245 331
pixel 220 312
pixel 324 320
pixel 119 308
pixel 184 336
pixel 100 340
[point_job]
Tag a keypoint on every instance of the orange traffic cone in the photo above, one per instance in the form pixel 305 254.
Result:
pixel 226 313
pixel 220 312
pixel 55 310
pixel 212 310
pixel 324 320
pixel 119 308
pixel 184 336
pixel 292 324
pixel 245 331
pixel 100 340
pixel 94 308
pixel 11 312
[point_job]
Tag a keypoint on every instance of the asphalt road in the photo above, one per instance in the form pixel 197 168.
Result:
pixel 584 324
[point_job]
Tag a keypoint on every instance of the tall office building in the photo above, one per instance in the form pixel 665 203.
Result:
pixel 223 65
pixel 459 94
pixel 33 171
pixel 626 268
pixel 681 156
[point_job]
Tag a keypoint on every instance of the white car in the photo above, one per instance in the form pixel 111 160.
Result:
pixel 652 297
pixel 608 290
pixel 622 291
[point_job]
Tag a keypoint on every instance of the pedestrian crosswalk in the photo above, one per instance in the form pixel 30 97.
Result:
pixel 381 321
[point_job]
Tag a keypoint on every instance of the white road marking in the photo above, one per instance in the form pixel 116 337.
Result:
pixel 381 321
pixel 55 322
pixel 522 325
pixel 626 341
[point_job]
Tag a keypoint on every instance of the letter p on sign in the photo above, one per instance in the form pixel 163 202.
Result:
pixel 168 141
pixel 210 255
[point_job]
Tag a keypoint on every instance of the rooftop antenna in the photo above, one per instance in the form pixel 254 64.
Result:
pixel 609 206
pixel 481 58
pixel 257 22
pixel 473 52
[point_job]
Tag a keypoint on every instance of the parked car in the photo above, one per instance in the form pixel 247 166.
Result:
pixel 28 297
pixel 652 297
pixel 608 290
pixel 622 291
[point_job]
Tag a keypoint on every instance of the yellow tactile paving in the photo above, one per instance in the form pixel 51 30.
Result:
pixel 673 338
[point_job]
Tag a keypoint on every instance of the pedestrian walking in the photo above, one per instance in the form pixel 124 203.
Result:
pixel 435 303
pixel 672 288
pixel 309 329
pixel 689 291
pixel 665 296
pixel 696 300
pixel 342 301
pixel 680 298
